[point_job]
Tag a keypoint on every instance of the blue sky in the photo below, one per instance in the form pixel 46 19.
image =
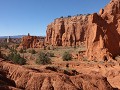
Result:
pixel 19 17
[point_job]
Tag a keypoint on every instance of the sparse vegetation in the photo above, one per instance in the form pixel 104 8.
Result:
pixel 66 56
pixel 16 58
pixel 43 59
pixel 32 51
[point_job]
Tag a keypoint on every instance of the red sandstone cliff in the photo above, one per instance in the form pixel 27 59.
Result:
pixel 101 32
pixel 103 37
pixel 69 31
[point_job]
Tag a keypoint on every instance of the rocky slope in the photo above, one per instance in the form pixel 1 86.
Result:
pixel 43 79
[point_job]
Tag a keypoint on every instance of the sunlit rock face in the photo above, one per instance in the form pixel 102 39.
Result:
pixel 31 42
pixel 100 32
pixel 103 38
pixel 69 31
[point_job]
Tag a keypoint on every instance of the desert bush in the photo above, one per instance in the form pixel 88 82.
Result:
pixel 43 59
pixel 16 58
pixel 69 16
pixel 66 56
pixel 32 51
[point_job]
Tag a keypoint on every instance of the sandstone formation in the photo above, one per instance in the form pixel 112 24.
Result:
pixel 100 32
pixel 68 31
pixel 103 36
pixel 31 79
pixel 31 42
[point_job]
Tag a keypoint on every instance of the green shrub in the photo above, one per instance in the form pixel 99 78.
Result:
pixel 32 51
pixel 16 58
pixel 21 61
pixel 69 16
pixel 66 56
pixel 43 59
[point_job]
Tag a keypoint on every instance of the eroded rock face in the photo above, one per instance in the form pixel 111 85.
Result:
pixel 42 80
pixel 103 37
pixel 69 31
pixel 32 42
pixel 101 32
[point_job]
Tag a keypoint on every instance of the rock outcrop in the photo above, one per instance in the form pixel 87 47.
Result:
pixel 100 32
pixel 29 79
pixel 103 37
pixel 68 31
pixel 31 42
